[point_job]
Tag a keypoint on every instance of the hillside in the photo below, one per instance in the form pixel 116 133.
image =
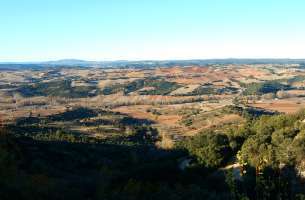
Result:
pixel 199 132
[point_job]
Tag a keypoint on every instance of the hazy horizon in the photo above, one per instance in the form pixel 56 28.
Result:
pixel 139 60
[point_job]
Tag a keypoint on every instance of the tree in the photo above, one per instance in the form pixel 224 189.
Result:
pixel 210 149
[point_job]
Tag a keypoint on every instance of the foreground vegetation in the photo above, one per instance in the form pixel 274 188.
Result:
pixel 267 150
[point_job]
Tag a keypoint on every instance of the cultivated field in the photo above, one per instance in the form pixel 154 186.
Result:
pixel 177 101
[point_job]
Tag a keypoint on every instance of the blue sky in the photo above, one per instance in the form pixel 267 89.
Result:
pixel 36 30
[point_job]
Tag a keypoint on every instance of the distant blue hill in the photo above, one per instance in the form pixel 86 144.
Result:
pixel 143 63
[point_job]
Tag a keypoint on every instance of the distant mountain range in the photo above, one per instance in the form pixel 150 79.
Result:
pixel 143 63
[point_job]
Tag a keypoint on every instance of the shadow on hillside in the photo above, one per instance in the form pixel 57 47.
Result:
pixel 128 168
pixel 77 117
pixel 85 113
pixel 63 170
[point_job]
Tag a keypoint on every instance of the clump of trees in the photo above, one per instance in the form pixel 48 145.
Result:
pixel 275 140
pixel 270 151
pixel 60 88
pixel 161 87
pixel 210 149
pixel 264 88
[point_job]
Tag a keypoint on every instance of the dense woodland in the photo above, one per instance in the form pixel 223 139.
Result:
pixel 53 164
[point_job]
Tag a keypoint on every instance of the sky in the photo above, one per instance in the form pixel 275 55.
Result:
pixel 40 30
